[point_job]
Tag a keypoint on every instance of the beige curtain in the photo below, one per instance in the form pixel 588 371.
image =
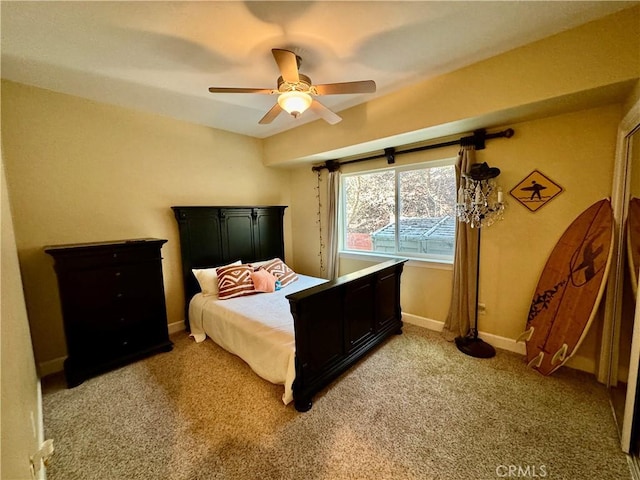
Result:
pixel 333 190
pixel 463 298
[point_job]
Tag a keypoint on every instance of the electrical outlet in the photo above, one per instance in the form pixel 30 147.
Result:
pixel 482 308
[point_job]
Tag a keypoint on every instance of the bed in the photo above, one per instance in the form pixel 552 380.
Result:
pixel 302 336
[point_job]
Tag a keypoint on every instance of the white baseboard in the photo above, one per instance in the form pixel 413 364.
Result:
pixel 176 327
pixel 51 366
pixel 577 362
pixel 42 473
pixel 495 340
pixel 423 322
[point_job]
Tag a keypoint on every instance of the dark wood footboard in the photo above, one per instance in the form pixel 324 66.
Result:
pixel 338 322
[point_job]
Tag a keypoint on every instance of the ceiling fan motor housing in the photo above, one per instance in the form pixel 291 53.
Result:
pixel 295 93
pixel 303 85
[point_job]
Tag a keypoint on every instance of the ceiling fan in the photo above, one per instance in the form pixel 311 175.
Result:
pixel 295 90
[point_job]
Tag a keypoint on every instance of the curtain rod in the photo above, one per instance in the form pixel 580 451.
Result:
pixel 477 139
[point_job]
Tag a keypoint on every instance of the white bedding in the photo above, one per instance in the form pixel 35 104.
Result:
pixel 258 328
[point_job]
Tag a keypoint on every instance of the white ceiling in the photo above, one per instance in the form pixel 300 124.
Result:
pixel 161 57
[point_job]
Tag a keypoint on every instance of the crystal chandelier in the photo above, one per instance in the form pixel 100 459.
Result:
pixel 480 202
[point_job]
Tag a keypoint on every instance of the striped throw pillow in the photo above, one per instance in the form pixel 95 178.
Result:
pixel 234 281
pixel 281 271
pixel 208 279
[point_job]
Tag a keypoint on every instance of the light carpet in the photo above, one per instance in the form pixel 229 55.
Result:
pixel 414 409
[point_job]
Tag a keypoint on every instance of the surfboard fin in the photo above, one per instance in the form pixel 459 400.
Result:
pixel 537 361
pixel 560 354
pixel 526 335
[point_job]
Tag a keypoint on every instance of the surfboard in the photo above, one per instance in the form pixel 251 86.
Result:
pixel 570 289
pixel 633 242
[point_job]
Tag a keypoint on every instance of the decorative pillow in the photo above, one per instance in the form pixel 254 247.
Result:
pixel 208 279
pixel 263 281
pixel 235 281
pixel 281 271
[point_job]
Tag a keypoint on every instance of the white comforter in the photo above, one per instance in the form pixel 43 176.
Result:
pixel 258 328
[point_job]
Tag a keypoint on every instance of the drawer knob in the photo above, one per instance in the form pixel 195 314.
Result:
pixel 119 295
pixel 118 274
pixel 115 255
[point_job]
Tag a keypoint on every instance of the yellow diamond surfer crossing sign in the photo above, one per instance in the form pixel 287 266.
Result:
pixel 535 190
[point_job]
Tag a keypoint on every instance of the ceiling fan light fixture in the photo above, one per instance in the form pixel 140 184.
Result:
pixel 294 102
pixel 295 90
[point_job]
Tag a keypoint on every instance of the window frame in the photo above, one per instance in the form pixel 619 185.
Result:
pixel 444 260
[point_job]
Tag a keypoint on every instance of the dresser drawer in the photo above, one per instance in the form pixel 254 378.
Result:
pixel 113 305
pixel 125 316
pixel 106 286
pixel 89 256
pixel 93 345
pixel 119 256
pixel 106 347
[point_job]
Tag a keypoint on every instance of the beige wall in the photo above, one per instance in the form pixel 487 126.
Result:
pixel 20 385
pixel 633 98
pixel 576 150
pixel 81 171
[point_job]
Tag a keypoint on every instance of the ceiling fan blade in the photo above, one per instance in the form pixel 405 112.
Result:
pixel 364 86
pixel 288 64
pixel 324 112
pixel 266 91
pixel 271 115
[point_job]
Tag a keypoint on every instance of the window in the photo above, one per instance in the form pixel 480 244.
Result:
pixel 423 199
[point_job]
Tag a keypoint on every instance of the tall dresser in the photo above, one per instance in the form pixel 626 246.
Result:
pixel 113 305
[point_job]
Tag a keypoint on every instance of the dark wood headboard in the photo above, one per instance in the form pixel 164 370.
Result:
pixel 214 236
pixel 335 323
